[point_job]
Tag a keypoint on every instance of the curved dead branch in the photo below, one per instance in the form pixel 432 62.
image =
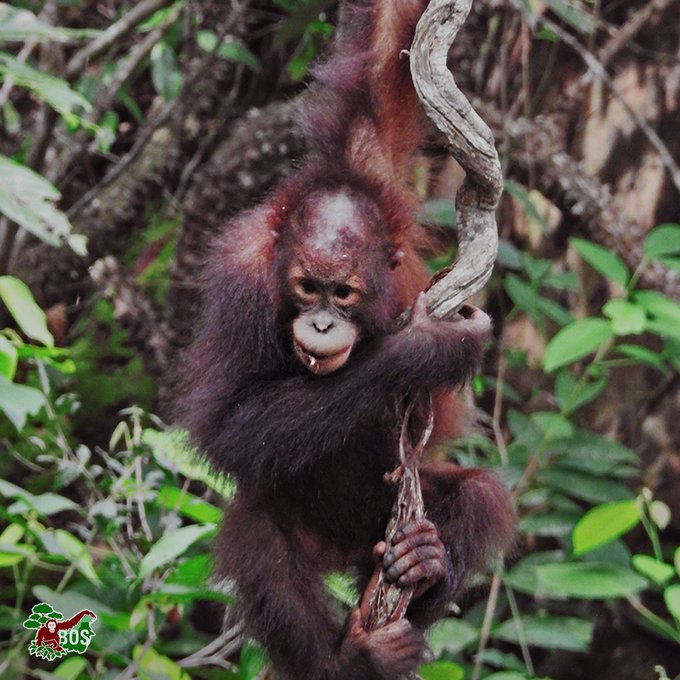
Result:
pixel 471 144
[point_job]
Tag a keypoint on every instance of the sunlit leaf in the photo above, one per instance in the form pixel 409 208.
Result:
pixel 29 200
pixel 655 570
pixel 603 524
pixel 22 306
pixel 627 317
pixel 575 341
pixel 19 401
pixel 18 25
pixel 172 545
pixel 441 670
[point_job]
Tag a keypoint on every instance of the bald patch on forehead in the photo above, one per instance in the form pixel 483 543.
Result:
pixel 336 222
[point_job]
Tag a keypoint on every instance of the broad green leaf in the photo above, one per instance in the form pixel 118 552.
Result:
pixel 23 307
pixel 70 669
pixel 165 74
pixel 19 25
pixel 576 341
pixel 555 311
pixel 452 636
pixel 44 504
pixel 553 523
pixel 8 358
pixel 602 260
pixel 660 514
pixel 172 449
pixel 671 597
pixel 151 664
pixel 588 487
pixel 552 425
pixel 230 49
pixel 655 570
pixel 590 581
pixel 663 240
pixel 77 552
pixel 593 452
pixel 53 91
pixel 642 355
pixel 17 402
pixel 627 318
pixel 29 200
pixel 524 575
pixel 172 545
pixel 603 524
pixel 676 560
pixel 551 632
pixel 441 670
pixel 188 505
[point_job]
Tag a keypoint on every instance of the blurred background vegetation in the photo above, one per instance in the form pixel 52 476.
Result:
pixel 129 131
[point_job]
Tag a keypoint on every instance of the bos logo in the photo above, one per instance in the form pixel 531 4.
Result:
pixel 56 637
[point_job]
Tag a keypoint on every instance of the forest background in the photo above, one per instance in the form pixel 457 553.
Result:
pixel 130 131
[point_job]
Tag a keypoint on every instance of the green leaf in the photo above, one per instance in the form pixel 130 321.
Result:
pixel 341 587
pixel 153 665
pixel 441 670
pixel 173 450
pixel 571 394
pixel 188 505
pixel 452 636
pixel 230 49
pixel 585 486
pixel 53 91
pixel 19 401
pixel 665 313
pixel 251 661
pixel 172 545
pixel 77 552
pixel 553 523
pixel 577 18
pixel 603 524
pixel 19 25
pixel 676 560
pixel 555 311
pixel 662 240
pixel 576 341
pixel 29 200
pixel 524 575
pixel 522 294
pixel 602 260
pixel 627 318
pixel 8 358
pixel 551 632
pixel 23 307
pixel 672 263
pixel 656 571
pixel 642 355
pixel 70 668
pixel 44 504
pixel 165 75
pixel 671 597
pixel 589 581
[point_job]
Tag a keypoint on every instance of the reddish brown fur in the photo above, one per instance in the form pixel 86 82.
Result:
pixel 309 452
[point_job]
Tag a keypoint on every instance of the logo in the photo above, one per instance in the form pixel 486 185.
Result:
pixel 56 638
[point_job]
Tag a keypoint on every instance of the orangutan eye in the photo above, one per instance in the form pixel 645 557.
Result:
pixel 343 292
pixel 308 286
